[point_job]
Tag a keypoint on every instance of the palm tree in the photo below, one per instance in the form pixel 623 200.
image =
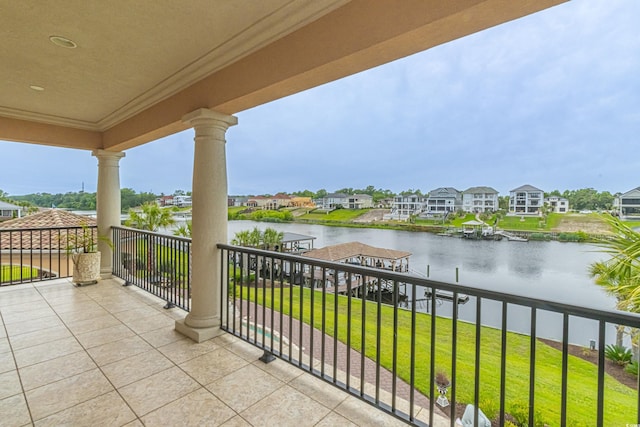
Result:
pixel 272 239
pixel 620 275
pixel 184 230
pixel 150 217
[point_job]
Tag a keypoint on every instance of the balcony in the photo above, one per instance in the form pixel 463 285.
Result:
pixel 350 344
pixel 108 355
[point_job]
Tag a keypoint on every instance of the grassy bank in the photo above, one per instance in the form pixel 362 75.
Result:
pixel 15 272
pixel 582 381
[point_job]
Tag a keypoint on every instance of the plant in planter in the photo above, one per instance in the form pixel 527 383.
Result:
pixel 82 247
pixel 442 383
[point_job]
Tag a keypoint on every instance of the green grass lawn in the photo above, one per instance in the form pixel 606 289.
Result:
pixel 10 273
pixel 338 215
pixel 620 400
pixel 530 223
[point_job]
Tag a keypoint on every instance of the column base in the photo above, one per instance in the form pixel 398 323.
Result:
pixel 198 334
pixel 107 274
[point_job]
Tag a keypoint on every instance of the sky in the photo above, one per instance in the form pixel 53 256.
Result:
pixel 551 100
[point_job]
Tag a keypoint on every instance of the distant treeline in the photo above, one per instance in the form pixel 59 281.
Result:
pixel 81 200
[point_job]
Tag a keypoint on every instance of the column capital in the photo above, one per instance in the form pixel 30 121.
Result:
pixel 105 154
pixel 205 115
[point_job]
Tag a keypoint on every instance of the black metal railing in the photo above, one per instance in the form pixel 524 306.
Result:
pixel 36 254
pixel 158 263
pixel 372 333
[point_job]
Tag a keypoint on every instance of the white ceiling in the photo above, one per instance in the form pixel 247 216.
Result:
pixel 130 54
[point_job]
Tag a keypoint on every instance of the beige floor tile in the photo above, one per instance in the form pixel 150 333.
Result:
pixel 25 316
pixel 134 423
pixel 213 365
pixel 183 350
pixel 27 326
pixel 19 297
pixel 199 408
pixel 136 313
pixel 247 351
pixel 254 383
pixel 9 384
pixel 335 420
pixel 104 336
pixel 118 350
pixel 44 373
pixel 93 324
pixel 14 411
pixel 63 394
pixel 363 414
pixel 43 352
pixel 161 337
pixel 157 390
pixel 285 407
pixel 151 323
pixel 4 345
pixel 107 409
pixel 236 421
pixel 39 337
pixel 438 420
pixel 86 311
pixel 6 362
pixel 135 368
pixel 280 369
pixel 319 390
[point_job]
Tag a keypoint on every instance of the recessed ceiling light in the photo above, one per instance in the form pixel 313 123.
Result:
pixel 63 42
pixel 37 88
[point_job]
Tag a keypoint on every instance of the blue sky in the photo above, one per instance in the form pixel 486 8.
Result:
pixel 551 100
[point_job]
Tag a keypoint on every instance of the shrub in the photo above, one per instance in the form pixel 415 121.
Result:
pixel 618 353
pixel 519 411
pixel 539 236
pixel 632 368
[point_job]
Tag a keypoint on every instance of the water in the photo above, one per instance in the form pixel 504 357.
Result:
pixel 552 271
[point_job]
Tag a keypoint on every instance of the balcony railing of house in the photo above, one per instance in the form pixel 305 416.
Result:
pixel 158 263
pixel 384 337
pixel 36 254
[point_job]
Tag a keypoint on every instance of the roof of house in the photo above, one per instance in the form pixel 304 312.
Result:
pixel 475 190
pixel 444 192
pixel 36 239
pixel 9 206
pixel 344 251
pixel 337 195
pixel 361 196
pixel 526 187
pixel 632 192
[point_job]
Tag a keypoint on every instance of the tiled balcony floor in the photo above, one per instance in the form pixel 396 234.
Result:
pixel 108 355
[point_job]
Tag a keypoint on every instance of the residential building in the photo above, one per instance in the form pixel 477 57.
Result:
pixel 480 199
pixel 406 205
pixel 182 201
pixel 444 199
pixel 628 204
pixel 359 201
pixel 332 201
pixel 526 200
pixel 269 202
pixel 302 202
pixel 163 201
pixel 9 211
pixel 237 201
pixel 557 204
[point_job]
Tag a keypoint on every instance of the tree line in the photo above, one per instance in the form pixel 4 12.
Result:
pixel 80 200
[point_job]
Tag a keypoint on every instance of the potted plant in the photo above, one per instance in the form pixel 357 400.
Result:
pixel 442 383
pixel 82 248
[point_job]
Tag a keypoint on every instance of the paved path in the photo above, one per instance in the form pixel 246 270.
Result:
pixel 302 342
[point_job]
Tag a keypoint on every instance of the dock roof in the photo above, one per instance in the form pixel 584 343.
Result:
pixel 344 251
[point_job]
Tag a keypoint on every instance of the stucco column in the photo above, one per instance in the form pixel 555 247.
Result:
pixel 209 221
pixel 108 204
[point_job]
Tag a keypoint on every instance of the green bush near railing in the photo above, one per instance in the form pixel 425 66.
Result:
pixel 582 375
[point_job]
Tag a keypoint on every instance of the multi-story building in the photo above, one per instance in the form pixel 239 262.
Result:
pixel 406 205
pixel 269 202
pixel 526 200
pixel 628 204
pixel 557 204
pixel 480 199
pixel 444 199
pixel 348 201
pixel 9 211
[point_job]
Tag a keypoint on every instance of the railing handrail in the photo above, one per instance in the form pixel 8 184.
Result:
pixel 611 316
pixel 151 233
pixel 60 227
